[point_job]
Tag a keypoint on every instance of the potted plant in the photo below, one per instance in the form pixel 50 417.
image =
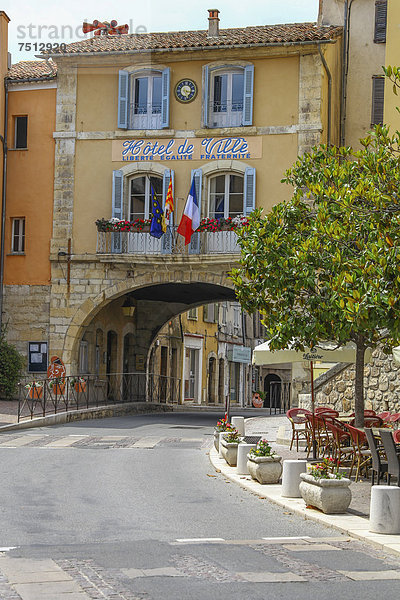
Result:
pixel 324 487
pixel 34 390
pixel 79 384
pixel 57 386
pixel 263 464
pixel 230 442
pixel 221 426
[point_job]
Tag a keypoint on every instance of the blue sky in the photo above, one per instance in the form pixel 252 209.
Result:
pixel 50 21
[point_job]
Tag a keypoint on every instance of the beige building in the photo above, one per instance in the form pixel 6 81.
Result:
pixel 391 115
pixel 229 108
pixel 364 23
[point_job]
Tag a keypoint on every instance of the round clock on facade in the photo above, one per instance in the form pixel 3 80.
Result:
pixel 185 90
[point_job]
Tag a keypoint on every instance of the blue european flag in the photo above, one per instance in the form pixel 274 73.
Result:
pixel 156 227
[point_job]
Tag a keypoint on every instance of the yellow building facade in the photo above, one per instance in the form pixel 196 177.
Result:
pixel 228 109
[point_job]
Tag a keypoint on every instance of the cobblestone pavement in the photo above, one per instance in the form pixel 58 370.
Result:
pixel 191 563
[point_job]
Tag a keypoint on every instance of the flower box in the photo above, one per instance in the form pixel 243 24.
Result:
pixel 265 469
pixel 229 452
pixel 35 392
pixel 331 495
pixel 80 387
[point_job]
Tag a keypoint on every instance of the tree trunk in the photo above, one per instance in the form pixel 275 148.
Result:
pixel 359 382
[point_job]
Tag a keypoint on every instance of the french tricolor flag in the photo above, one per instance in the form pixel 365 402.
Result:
pixel 191 216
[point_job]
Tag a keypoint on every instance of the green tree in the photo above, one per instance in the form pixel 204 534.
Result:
pixel 11 363
pixel 325 265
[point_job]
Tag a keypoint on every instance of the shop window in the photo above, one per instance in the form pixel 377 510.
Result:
pixel 143 99
pixel 21 133
pixel 18 236
pixel 228 96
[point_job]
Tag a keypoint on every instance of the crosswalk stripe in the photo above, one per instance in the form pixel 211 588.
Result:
pixel 22 441
pixel 64 442
pixel 147 442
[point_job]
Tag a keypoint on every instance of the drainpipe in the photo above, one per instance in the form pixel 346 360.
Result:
pixel 345 69
pixel 328 74
pixel 3 202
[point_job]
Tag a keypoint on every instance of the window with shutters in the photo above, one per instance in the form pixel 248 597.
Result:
pixel 380 21
pixel 192 314
pixel 21 133
pixel 231 194
pixel 378 96
pixel 228 96
pixel 143 99
pixel 140 196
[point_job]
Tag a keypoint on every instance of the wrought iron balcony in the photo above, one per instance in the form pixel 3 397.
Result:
pixel 171 243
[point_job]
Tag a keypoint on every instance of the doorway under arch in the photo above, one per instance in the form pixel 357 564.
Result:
pixel 272 392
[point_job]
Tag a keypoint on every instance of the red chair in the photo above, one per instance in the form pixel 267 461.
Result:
pixel 394 418
pixel 325 409
pixel 318 432
pixel 385 416
pixel 298 416
pixel 361 455
pixel 340 443
pixel 396 436
pixel 367 413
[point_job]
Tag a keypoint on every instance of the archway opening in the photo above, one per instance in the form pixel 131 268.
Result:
pixel 272 389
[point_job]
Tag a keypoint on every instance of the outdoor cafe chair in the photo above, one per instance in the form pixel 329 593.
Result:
pixel 340 438
pixel 361 455
pixel 385 416
pixel 326 410
pixel 298 417
pixel 316 425
pixel 396 436
pixel 379 466
pixel 370 421
pixel 393 458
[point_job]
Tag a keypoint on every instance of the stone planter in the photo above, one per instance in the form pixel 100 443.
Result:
pixel 329 495
pixel 229 452
pixel 265 469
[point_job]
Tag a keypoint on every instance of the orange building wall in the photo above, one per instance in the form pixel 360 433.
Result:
pixel 30 177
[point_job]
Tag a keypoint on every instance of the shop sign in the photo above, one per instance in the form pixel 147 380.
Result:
pixel 172 150
pixel 240 354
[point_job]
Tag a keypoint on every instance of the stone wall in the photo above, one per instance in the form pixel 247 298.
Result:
pixel 381 386
pixel 27 310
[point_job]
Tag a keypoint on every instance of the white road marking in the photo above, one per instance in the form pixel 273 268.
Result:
pixel 204 540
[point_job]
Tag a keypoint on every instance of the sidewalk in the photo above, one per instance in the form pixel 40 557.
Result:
pixel 354 522
pixel 8 412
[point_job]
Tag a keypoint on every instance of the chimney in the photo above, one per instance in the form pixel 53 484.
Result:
pixel 213 22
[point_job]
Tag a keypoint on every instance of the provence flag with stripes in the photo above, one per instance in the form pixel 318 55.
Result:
pixel 169 201
pixel 191 216
pixel 157 221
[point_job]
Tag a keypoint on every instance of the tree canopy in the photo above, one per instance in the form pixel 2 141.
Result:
pixel 325 264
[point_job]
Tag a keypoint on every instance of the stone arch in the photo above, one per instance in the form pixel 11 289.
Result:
pixel 92 306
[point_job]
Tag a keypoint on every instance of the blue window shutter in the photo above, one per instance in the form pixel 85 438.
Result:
pixel 198 175
pixel 165 77
pixel 248 95
pixel 205 97
pixel 249 190
pixel 167 175
pixel 194 247
pixel 117 200
pixel 123 99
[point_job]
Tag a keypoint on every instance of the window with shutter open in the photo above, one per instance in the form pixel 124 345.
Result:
pixel 380 21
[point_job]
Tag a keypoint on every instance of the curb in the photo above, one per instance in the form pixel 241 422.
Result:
pixel 110 410
pixel 347 523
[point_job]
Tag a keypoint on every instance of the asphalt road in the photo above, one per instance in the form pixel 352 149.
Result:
pixel 130 508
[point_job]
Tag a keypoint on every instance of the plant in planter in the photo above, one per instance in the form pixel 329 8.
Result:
pixel 78 383
pixel 263 464
pixel 57 386
pixel 230 442
pixel 34 390
pixel 324 487
pixel 221 426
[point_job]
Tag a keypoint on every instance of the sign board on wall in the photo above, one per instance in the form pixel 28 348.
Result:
pixel 144 150
pixel 240 354
pixel 37 357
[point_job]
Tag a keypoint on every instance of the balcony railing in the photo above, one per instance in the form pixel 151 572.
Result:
pixel 171 243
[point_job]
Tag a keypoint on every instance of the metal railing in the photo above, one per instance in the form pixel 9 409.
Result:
pixel 43 397
pixel 279 394
pixel 171 243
